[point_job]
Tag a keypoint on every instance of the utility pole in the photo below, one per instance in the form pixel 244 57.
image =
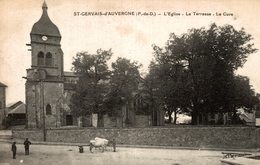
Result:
pixel 43 111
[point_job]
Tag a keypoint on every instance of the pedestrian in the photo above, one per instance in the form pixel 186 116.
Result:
pixel 114 145
pixel 14 149
pixel 27 144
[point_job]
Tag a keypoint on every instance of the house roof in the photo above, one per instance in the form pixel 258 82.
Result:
pixel 13 105
pixel 2 85
pixel 16 108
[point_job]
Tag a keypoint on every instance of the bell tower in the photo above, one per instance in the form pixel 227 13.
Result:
pixel 45 44
pixel 44 85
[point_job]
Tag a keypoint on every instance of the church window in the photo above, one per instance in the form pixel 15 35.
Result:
pixel 48 109
pixel 48 59
pixel 40 58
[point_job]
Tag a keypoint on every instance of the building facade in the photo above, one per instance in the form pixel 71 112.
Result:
pixel 2 103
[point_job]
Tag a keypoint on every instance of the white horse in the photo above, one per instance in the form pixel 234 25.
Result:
pixel 98 143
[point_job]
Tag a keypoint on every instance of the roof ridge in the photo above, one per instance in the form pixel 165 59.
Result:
pixel 2 85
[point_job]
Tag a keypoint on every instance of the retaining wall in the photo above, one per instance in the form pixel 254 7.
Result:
pixel 214 137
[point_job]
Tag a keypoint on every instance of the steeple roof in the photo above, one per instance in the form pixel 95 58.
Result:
pixel 45 26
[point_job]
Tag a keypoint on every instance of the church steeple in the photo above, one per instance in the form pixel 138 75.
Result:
pixel 45 45
pixel 44 6
pixel 45 26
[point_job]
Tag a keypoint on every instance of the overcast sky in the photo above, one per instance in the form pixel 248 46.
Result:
pixel 128 36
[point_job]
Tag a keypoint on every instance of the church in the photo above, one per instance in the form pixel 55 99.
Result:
pixel 48 87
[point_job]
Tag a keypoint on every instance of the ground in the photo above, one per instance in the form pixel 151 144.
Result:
pixel 69 155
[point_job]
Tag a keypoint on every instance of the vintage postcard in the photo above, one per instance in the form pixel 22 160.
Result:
pixel 157 82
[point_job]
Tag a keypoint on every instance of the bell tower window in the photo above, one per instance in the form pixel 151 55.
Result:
pixel 48 59
pixel 40 58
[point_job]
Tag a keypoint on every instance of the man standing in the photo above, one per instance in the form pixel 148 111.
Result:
pixel 114 145
pixel 27 144
pixel 14 149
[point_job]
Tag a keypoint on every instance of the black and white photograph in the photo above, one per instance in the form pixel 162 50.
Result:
pixel 129 82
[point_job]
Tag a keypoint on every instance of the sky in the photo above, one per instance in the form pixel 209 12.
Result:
pixel 129 36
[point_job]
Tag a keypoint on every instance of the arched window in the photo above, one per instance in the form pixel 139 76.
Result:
pixel 48 59
pixel 40 58
pixel 48 109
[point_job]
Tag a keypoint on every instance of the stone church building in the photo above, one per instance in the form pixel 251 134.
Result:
pixel 49 87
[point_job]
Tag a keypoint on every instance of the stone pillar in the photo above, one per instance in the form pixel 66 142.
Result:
pixel 80 121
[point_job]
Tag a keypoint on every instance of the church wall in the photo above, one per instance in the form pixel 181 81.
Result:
pixel 142 121
pixel 75 121
pixel 66 108
pixel 114 121
pixel 109 121
pixel 36 98
pixel 86 121
pixel 33 107
pixel 53 93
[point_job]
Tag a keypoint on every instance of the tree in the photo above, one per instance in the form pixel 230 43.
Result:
pixel 168 81
pixel 210 58
pixel 150 86
pixel 243 96
pixel 125 78
pixel 91 88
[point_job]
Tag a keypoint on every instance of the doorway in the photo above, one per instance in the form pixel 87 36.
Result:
pixel 69 120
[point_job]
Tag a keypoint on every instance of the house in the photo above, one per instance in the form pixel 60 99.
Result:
pixel 2 103
pixel 16 114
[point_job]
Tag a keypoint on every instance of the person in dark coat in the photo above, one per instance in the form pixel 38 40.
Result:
pixel 27 144
pixel 14 149
pixel 114 145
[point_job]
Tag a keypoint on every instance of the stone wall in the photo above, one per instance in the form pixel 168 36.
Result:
pixel 191 136
pixel 34 135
